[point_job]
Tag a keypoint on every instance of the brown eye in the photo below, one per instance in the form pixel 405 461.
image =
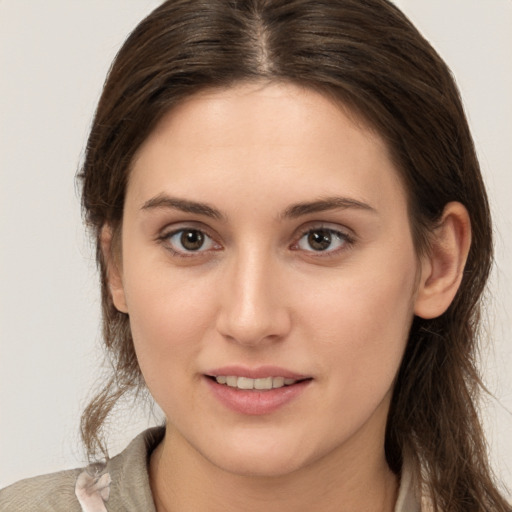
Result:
pixel 187 241
pixel 192 239
pixel 320 239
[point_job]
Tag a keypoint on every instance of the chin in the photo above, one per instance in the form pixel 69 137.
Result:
pixel 259 465
pixel 261 456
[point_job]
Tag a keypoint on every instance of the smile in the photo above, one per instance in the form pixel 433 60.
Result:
pixel 261 384
pixel 256 395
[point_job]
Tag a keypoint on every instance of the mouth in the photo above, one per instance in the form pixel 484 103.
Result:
pixel 254 396
pixel 258 390
pixel 258 384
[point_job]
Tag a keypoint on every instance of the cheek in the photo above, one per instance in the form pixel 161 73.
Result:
pixel 362 324
pixel 169 315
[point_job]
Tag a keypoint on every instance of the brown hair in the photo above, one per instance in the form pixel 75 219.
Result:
pixel 369 56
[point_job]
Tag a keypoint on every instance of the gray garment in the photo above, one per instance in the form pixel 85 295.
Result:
pixel 56 492
pixel 123 483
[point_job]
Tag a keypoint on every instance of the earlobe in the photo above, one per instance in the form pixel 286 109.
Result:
pixel 442 268
pixel 111 256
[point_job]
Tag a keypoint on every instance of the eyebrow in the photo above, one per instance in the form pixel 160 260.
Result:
pixel 322 205
pixel 294 211
pixel 184 205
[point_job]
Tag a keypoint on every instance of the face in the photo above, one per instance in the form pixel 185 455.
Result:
pixel 266 244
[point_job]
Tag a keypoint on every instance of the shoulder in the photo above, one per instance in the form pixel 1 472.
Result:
pixel 53 492
pixel 122 483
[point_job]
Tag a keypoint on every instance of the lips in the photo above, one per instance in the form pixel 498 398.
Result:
pixel 256 373
pixel 256 391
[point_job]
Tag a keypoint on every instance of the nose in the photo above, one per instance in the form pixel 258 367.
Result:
pixel 253 307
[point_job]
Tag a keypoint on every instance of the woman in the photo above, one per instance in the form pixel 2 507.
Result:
pixel 293 238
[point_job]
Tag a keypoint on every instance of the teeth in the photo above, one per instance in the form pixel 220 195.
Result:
pixel 245 383
pixel 278 382
pixel 231 381
pixel 265 383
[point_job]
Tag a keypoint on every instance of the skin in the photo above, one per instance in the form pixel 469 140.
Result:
pixel 257 292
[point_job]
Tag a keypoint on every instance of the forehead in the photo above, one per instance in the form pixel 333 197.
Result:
pixel 273 137
pixel 261 109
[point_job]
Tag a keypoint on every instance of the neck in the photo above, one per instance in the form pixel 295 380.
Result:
pixel 182 481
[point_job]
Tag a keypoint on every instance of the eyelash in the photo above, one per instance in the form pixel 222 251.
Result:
pixel 345 240
pixel 166 237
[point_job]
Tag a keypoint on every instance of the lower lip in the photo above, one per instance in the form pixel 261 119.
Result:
pixel 253 402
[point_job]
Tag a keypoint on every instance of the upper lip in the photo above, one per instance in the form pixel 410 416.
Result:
pixel 259 372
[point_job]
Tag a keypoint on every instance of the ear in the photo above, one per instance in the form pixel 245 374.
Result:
pixel 112 256
pixel 442 268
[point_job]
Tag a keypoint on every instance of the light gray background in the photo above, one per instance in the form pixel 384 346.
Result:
pixel 54 55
